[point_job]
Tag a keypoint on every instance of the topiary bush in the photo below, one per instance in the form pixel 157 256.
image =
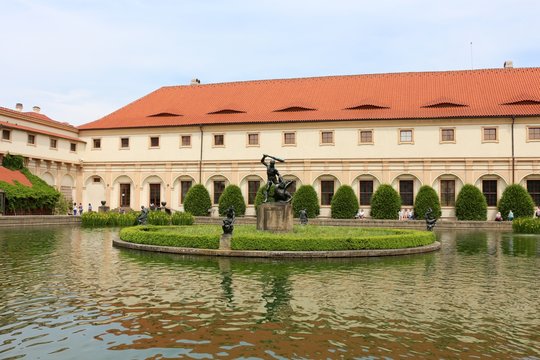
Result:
pixel 471 204
pixel 306 198
pixel 182 218
pixel 385 203
pixel 516 198
pixel 197 201
pixel 427 198
pixel 344 203
pixel 260 195
pixel 232 196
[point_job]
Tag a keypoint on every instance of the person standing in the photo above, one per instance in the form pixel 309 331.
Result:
pixel 89 207
pixel 74 209
pixel 80 209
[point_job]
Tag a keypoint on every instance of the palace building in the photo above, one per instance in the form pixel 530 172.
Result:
pixel 443 129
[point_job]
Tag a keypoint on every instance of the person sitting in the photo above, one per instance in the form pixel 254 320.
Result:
pixel 510 215
pixel 537 213
pixel 360 214
pixel 498 216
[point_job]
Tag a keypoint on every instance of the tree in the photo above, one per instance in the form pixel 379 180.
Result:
pixel 471 204
pixel 344 203
pixel 232 196
pixel 516 198
pixel 385 203
pixel 197 201
pixel 427 198
pixel 306 198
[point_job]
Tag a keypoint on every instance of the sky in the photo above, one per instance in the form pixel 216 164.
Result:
pixel 80 60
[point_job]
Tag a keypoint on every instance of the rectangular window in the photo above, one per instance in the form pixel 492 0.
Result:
pixel 97 179
pixel 448 192
pixel 96 143
pixel 124 143
pixel 533 133
pixel 327 191
pixel 185 140
pixel 219 186
pixel 253 139
pixel 125 195
pixel 289 138
pixel 448 135
pixel 154 141
pixel 53 143
pixel 185 185
pixel 406 191
pixel 219 140
pixel 366 191
pixel 366 136
pixel 533 187
pixel 406 136
pixel 253 187
pixel 155 195
pixel 31 139
pixel 73 147
pixel 327 137
pixel 6 134
pixel 489 188
pixel 489 134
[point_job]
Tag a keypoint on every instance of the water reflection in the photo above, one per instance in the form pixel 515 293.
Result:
pixel 67 293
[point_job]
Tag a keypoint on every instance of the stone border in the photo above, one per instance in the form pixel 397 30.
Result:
pixel 38 220
pixel 278 254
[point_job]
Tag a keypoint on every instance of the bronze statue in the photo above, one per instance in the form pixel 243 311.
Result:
pixel 430 220
pixel 228 222
pixel 273 174
pixel 143 216
pixel 280 191
pixel 303 217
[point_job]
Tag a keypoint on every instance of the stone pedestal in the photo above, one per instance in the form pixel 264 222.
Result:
pixel 225 242
pixel 275 217
pixel 103 208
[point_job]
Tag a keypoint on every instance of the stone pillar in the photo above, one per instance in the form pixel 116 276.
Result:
pixel 225 242
pixel 275 217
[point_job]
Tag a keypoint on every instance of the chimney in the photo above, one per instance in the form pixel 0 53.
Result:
pixel 18 107
pixel 508 64
pixel 195 82
pixel 36 109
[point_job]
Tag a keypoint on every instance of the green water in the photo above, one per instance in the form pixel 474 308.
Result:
pixel 66 293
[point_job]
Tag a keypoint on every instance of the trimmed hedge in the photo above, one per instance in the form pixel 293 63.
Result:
pixel 385 203
pixel 303 238
pixel 344 203
pixel 115 219
pixel 427 198
pixel 471 204
pixel 198 201
pixel 516 198
pixel 306 198
pixel 526 226
pixel 232 196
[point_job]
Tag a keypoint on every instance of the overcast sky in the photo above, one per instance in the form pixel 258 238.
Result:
pixel 80 60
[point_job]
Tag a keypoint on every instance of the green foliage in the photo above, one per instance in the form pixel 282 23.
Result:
pixel 385 203
pixel 303 238
pixel 525 225
pixel 23 199
pixel 110 218
pixel 158 218
pixel 182 218
pixel 232 196
pixel 62 206
pixel 427 198
pixel 197 201
pixel 516 198
pixel 13 162
pixel 306 198
pixel 471 204
pixel 260 195
pixel 344 203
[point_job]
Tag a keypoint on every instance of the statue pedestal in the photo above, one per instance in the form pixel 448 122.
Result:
pixel 103 208
pixel 225 242
pixel 275 217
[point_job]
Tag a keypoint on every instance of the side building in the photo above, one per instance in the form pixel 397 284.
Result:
pixel 442 129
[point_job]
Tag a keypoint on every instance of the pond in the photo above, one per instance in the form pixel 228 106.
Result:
pixel 67 293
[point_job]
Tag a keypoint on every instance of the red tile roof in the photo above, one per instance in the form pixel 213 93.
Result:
pixel 10 176
pixel 30 115
pixel 421 95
